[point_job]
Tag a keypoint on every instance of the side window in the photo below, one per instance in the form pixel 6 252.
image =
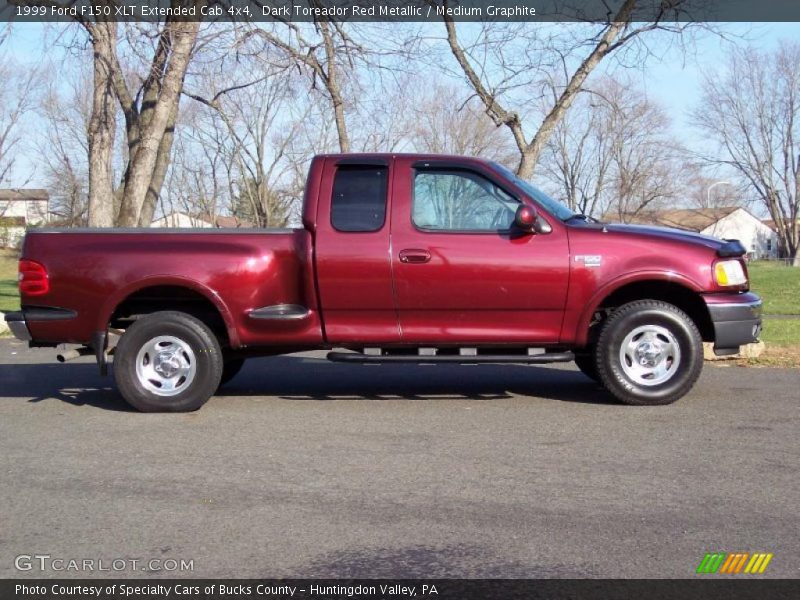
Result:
pixel 460 201
pixel 359 198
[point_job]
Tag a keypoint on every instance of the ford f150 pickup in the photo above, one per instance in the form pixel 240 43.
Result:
pixel 401 258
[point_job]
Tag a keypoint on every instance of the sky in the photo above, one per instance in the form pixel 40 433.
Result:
pixel 672 80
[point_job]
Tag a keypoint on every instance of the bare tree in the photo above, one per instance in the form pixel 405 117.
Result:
pixel 17 97
pixel 443 123
pixel 150 114
pixel 645 159
pixel 66 110
pixel 751 111
pixel 577 159
pixel 510 64
pixel 261 119
pixel 614 154
pixel 324 50
pixel 102 125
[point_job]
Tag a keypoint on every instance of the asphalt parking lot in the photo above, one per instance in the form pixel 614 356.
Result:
pixel 305 468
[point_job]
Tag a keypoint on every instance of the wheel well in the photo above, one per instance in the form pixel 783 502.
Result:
pixel 688 301
pixel 170 297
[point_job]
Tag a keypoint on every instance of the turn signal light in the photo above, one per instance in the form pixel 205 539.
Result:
pixel 729 272
pixel 33 280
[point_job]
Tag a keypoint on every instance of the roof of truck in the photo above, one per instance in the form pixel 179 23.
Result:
pixel 390 155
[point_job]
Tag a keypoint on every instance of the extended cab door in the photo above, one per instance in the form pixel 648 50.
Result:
pixel 354 270
pixel 462 275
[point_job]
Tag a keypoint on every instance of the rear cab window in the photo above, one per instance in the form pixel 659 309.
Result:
pixel 358 202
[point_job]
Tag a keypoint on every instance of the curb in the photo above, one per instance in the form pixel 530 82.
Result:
pixel 746 351
pixel 3 327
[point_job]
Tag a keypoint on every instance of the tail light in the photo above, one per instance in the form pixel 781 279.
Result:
pixel 33 279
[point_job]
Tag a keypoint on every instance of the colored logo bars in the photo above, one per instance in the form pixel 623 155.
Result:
pixel 739 562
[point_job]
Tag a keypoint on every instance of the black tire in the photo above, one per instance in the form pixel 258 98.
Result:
pixel 588 365
pixel 186 341
pixel 674 335
pixel 230 369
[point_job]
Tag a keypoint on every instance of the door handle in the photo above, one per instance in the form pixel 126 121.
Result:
pixel 414 256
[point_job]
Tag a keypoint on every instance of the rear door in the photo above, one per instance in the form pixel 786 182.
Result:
pixel 354 268
pixel 462 274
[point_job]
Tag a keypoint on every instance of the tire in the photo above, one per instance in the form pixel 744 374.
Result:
pixel 649 353
pixel 230 369
pixel 168 362
pixel 587 364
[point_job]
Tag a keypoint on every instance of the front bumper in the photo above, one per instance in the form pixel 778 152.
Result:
pixel 736 322
pixel 16 323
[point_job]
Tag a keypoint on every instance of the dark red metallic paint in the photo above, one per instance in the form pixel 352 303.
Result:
pixel 369 288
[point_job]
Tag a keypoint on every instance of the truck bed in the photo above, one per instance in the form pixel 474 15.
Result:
pixel 95 272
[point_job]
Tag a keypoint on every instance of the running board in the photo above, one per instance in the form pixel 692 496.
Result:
pixel 463 359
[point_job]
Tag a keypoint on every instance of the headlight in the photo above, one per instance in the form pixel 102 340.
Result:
pixel 729 272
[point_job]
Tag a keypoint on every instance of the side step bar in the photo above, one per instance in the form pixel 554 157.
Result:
pixel 538 359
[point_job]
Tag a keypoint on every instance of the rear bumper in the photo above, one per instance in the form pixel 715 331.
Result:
pixel 736 319
pixel 16 323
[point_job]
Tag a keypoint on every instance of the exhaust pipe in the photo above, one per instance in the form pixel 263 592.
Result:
pixel 74 353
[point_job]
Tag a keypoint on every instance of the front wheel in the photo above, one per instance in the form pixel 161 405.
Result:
pixel 168 362
pixel 648 353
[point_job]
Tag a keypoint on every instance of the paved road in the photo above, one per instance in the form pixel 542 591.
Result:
pixel 305 468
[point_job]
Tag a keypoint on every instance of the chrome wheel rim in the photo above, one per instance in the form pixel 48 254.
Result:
pixel 650 355
pixel 166 366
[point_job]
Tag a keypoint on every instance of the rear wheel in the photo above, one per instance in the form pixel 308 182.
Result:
pixel 168 362
pixel 649 352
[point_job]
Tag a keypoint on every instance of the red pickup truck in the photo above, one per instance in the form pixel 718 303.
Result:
pixel 401 258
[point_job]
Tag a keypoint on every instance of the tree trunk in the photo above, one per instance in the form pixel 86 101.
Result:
pixel 332 83
pixel 159 171
pixel 142 166
pixel 101 128
pixel 534 150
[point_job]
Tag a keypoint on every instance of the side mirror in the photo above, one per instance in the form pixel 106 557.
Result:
pixel 526 217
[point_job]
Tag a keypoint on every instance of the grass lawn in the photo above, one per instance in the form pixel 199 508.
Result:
pixel 781 332
pixel 778 285
pixel 9 298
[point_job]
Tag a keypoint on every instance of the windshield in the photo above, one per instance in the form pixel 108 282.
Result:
pixel 554 207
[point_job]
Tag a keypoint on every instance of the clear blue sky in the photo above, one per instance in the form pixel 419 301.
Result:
pixel 674 80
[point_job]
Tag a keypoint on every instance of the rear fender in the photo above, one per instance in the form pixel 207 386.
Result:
pixel 111 303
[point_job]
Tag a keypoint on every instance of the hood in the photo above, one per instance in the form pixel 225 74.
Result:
pixel 721 247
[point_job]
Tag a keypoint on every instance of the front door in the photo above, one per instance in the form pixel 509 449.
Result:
pixel 462 273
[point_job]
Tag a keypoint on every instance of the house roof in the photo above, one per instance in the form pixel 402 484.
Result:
pixel 771 224
pixel 692 219
pixel 23 195
pixel 218 221
pixel 231 222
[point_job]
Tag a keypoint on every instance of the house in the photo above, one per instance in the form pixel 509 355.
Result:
pixel 20 209
pixel 185 220
pixel 774 226
pixel 180 219
pixel 731 222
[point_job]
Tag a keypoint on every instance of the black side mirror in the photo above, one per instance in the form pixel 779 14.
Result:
pixel 526 217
